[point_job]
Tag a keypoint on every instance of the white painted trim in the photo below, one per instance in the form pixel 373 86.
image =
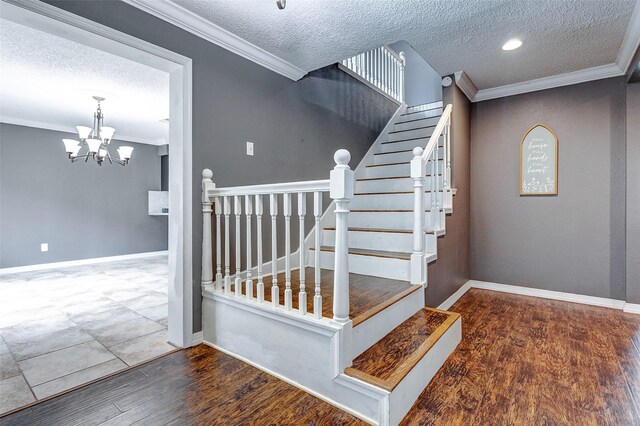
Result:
pixel 455 296
pixel 70 129
pixel 566 79
pixel 631 308
pixel 80 262
pixel 466 85
pixel 549 294
pixel 631 41
pixel 197 338
pixel 189 21
pixel 291 382
pixel 53 20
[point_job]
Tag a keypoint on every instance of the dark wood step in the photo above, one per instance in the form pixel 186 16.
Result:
pixel 372 253
pixel 390 359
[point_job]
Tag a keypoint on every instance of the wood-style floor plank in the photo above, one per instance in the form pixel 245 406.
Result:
pixel 521 361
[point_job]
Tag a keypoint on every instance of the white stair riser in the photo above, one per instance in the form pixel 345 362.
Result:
pixel 386 241
pixel 398 157
pixel 385 220
pixel 425 107
pixel 393 170
pixel 405 145
pixel 389 201
pixel 416 123
pixel 422 114
pixel 411 134
pixel 384 267
pixel 391 185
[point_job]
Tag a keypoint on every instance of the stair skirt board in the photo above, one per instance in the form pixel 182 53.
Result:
pixel 379 325
pixel 303 353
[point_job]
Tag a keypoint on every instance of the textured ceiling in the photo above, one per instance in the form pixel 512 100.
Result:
pixel 559 35
pixel 50 80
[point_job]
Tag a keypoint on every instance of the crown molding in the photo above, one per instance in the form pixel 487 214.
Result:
pixel 189 21
pixel 70 129
pixel 630 42
pixel 566 79
pixel 466 85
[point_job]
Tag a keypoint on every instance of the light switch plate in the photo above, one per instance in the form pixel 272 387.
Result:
pixel 249 148
pixel 44 247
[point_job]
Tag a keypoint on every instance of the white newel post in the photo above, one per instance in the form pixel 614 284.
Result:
pixel 417 175
pixel 207 255
pixel 341 191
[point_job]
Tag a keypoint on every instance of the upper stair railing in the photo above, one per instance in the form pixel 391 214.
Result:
pixel 426 162
pixel 250 200
pixel 381 68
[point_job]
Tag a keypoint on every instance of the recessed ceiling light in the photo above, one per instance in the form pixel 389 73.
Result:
pixel 512 44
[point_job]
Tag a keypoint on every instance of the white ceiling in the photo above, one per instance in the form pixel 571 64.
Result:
pixel 48 81
pixel 560 36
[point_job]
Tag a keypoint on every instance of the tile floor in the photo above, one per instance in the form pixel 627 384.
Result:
pixel 64 327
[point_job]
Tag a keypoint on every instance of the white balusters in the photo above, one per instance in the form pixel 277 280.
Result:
pixel 302 211
pixel 237 209
pixel 317 213
pixel 382 68
pixel 218 210
pixel 434 174
pixel 288 294
pixel 341 191
pixel 259 211
pixel 207 256
pixel 248 206
pixel 227 249
pixel 275 292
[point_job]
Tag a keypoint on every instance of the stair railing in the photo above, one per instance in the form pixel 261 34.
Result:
pixel 250 200
pixel 426 162
pixel 382 68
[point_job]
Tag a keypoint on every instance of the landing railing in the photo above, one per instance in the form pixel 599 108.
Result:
pixel 248 200
pixel 382 68
pixel 426 162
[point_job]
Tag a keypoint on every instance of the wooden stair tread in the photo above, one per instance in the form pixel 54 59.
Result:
pixel 390 359
pixel 392 231
pixel 366 293
pixel 373 253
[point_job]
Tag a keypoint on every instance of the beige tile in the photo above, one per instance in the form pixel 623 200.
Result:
pixel 153 299
pixel 15 393
pixel 94 321
pixel 155 313
pixel 32 329
pixel 78 378
pixel 143 348
pixel 43 368
pixel 48 342
pixel 125 331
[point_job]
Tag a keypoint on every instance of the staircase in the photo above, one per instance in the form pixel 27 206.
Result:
pixel 342 315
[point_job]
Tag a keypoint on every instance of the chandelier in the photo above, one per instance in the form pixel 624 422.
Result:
pixel 96 140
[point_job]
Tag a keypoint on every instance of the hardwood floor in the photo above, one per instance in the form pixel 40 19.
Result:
pixel 521 361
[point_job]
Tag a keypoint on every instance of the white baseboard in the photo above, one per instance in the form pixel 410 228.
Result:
pixel 455 296
pixel 545 294
pixel 197 338
pixel 81 262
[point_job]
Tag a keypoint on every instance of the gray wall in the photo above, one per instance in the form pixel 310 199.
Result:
pixel 572 242
pixel 296 126
pixel 633 193
pixel 423 84
pixel 451 270
pixel 82 210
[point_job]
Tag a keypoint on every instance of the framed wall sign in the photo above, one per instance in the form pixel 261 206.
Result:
pixel 539 161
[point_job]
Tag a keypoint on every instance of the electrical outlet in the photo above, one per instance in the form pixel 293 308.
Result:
pixel 249 148
pixel 44 247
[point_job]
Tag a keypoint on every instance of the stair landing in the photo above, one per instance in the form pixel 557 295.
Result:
pixel 367 295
